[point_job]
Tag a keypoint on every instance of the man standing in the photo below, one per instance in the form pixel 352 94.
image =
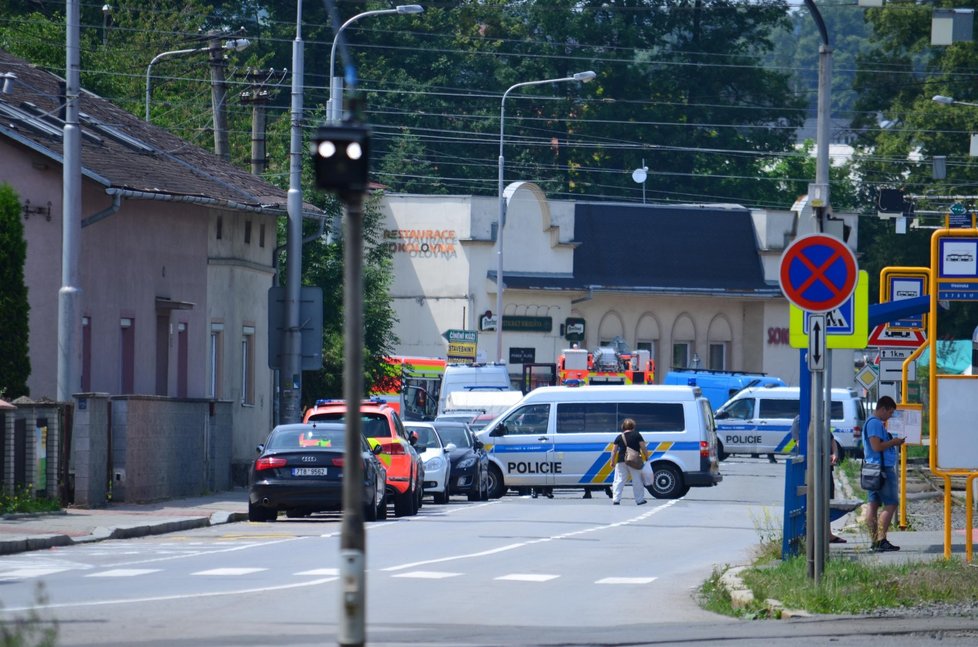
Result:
pixel 879 447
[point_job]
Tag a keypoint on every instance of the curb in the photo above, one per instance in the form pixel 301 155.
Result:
pixel 43 542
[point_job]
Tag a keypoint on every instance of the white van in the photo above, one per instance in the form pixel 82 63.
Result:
pixel 472 377
pixel 758 420
pixel 562 436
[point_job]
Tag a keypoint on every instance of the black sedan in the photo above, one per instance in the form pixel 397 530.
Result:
pixel 299 469
pixel 470 463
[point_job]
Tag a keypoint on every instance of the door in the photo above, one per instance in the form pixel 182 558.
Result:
pixel 523 444
pixel 737 426
pixel 775 424
pixel 583 443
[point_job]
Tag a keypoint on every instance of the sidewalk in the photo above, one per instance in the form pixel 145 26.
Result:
pixel 24 532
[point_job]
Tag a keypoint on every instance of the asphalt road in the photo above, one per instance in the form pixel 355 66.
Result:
pixel 517 571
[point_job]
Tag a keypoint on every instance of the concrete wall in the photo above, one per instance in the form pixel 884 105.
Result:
pixel 164 448
pixel 90 450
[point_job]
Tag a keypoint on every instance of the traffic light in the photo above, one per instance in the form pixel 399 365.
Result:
pixel 341 156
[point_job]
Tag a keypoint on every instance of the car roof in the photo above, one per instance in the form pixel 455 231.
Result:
pixel 312 424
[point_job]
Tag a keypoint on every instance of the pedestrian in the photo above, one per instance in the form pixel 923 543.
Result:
pixel 834 458
pixel 879 447
pixel 628 437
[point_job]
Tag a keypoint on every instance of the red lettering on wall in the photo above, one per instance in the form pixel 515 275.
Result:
pixel 777 336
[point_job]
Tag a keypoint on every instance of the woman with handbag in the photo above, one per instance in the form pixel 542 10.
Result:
pixel 629 456
pixel 879 448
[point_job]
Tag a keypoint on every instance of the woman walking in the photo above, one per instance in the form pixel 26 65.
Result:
pixel 629 438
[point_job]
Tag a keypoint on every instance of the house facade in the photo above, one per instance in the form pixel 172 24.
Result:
pixel 696 285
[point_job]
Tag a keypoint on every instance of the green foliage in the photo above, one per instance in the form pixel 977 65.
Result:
pixel 25 500
pixel 31 630
pixel 15 365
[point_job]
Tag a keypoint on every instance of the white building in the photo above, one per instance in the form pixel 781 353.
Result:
pixel 694 284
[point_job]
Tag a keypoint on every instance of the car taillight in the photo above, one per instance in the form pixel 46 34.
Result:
pixel 395 449
pixel 337 461
pixel 704 449
pixel 857 431
pixel 269 463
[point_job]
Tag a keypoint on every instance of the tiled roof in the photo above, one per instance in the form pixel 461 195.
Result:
pixel 659 249
pixel 119 150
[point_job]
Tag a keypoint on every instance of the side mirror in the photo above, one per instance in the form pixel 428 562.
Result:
pixel 720 415
pixel 498 430
pixel 450 447
pixel 260 448
pixel 478 444
pixel 377 450
pixel 413 438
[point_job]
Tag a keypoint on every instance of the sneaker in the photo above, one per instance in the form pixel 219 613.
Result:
pixel 616 503
pixel 642 502
pixel 885 546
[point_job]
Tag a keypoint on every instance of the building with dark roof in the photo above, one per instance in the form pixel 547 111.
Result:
pixel 176 257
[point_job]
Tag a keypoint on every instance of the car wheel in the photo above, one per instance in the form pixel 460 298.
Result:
pixel 370 511
pixel 296 514
pixel 667 482
pixel 484 490
pixel 721 455
pixel 496 486
pixel 420 490
pixel 257 513
pixel 404 504
pixel 382 508
pixel 441 497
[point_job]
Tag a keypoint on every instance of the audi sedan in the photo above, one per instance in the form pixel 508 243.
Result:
pixel 299 470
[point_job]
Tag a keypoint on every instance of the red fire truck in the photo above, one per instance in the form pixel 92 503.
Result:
pixel 606 365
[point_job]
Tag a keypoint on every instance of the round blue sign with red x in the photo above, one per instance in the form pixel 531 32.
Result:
pixel 818 273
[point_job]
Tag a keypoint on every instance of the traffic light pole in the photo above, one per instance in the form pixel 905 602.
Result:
pixel 352 536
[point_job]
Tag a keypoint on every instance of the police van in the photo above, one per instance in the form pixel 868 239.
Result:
pixel 758 420
pixel 562 436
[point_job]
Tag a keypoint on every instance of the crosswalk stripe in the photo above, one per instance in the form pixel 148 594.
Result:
pixel 527 577
pixel 320 572
pixel 125 572
pixel 230 571
pixel 427 575
pixel 626 580
pixel 30 571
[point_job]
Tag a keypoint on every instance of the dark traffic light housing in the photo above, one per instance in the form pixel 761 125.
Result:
pixel 341 157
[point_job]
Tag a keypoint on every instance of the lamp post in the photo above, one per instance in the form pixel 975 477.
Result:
pixel 582 77
pixel 235 44
pixel 951 101
pixel 334 106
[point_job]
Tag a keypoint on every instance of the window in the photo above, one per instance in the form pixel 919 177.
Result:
pixel 653 416
pixel 531 419
pixel 219 227
pixel 597 417
pixel 580 418
pixel 738 410
pixel 86 344
pixel 718 356
pixel 127 369
pixel 680 354
pixel 778 408
pixel 247 232
pixel 215 361
pixel 183 364
pixel 261 235
pixel 248 365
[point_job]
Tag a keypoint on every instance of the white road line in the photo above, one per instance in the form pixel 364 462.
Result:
pixel 167 598
pixel 626 580
pixel 320 571
pixel 125 572
pixel 508 547
pixel 427 575
pixel 198 553
pixel 230 571
pixel 30 571
pixel 527 577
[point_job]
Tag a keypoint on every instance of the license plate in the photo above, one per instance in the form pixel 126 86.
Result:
pixel 308 471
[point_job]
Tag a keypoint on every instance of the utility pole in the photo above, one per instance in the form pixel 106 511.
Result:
pixel 258 95
pixel 219 97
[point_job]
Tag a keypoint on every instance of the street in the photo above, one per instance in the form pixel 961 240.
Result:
pixel 512 571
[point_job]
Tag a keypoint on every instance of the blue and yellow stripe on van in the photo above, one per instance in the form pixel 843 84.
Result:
pixel 602 471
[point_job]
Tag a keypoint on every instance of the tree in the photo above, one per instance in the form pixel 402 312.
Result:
pixel 15 364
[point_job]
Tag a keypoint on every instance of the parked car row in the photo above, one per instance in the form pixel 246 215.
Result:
pixel 299 468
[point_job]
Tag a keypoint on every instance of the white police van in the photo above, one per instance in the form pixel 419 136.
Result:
pixel 758 420
pixel 562 436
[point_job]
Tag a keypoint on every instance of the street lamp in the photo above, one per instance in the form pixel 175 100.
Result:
pixel 334 106
pixel 947 101
pixel 582 77
pixel 235 44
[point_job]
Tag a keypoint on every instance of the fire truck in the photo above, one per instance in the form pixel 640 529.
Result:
pixel 606 365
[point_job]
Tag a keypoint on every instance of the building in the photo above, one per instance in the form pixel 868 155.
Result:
pixel 176 259
pixel 696 285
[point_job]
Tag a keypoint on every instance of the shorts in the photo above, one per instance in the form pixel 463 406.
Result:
pixel 888 494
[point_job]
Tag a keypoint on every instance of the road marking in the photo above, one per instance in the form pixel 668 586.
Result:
pixel 523 544
pixel 230 571
pixel 427 575
pixel 321 571
pixel 35 571
pixel 125 572
pixel 527 577
pixel 626 580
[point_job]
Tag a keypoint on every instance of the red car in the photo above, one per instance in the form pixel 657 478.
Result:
pixel 382 425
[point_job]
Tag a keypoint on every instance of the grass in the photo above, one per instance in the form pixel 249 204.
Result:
pixel 24 500
pixel 31 630
pixel 846 587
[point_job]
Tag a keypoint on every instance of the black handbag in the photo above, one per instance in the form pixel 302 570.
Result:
pixel 871 476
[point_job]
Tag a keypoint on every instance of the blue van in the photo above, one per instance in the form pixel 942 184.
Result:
pixel 720 386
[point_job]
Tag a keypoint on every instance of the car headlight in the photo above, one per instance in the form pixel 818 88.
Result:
pixel 466 462
pixel 435 463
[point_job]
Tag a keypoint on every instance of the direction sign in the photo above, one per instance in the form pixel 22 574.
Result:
pixel 818 273
pixel 464 336
pixel 816 343
pixel 883 336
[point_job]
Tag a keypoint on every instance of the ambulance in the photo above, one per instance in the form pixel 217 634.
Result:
pixel 562 436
